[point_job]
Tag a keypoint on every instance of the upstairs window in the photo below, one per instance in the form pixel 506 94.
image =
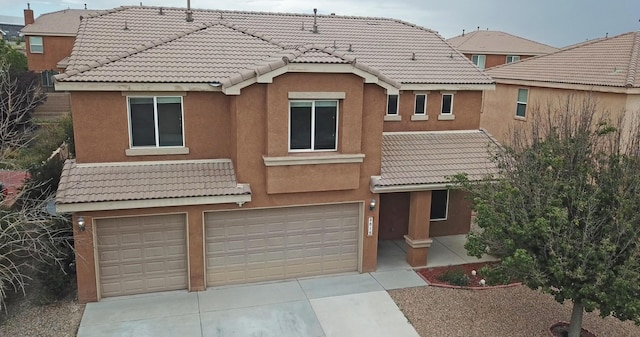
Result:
pixel 392 105
pixel 512 58
pixel 35 44
pixel 313 125
pixel 447 104
pixel 421 104
pixel 478 60
pixel 521 104
pixel 156 121
pixel 439 205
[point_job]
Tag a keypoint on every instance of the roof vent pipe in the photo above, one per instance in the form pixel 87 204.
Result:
pixel 606 35
pixel 413 57
pixel 161 12
pixel 350 47
pixel 463 32
pixel 85 6
pixel 189 12
pixel 315 22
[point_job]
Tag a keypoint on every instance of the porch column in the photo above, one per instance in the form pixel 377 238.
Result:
pixel 418 240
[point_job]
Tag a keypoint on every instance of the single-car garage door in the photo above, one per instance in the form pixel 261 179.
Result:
pixel 141 254
pixel 279 243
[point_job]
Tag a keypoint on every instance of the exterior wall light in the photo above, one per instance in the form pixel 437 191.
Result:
pixel 372 204
pixel 81 225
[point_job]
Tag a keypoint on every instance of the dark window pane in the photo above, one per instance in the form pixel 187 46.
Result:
pixel 325 127
pixel 446 103
pixel 169 121
pixel 521 110
pixel 392 105
pixel 300 128
pixel 420 102
pixel 439 204
pixel 142 122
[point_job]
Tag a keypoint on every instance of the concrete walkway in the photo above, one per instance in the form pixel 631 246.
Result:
pixel 343 305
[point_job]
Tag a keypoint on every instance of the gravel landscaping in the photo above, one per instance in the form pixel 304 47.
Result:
pixel 25 318
pixel 514 312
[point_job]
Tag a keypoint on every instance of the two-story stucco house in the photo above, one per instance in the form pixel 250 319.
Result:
pixel 220 147
pixel 490 48
pixel 606 70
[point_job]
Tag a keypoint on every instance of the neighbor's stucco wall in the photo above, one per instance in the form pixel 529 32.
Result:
pixel 492 60
pixel 55 48
pixel 499 106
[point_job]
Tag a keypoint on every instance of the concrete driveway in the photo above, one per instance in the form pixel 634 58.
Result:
pixel 344 305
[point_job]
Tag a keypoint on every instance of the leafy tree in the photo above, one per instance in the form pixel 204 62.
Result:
pixel 563 213
pixel 15 60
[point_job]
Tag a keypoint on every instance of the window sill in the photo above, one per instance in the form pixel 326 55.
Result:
pixel 519 118
pixel 313 159
pixel 156 151
pixel 446 117
pixel 419 117
pixel 392 118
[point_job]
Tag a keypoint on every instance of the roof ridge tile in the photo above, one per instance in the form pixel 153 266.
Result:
pixel 634 61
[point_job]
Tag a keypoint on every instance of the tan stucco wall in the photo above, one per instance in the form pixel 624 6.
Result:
pixel 458 216
pixel 55 48
pixel 466 109
pixel 499 106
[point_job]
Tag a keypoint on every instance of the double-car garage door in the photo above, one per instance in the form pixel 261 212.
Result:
pixel 149 253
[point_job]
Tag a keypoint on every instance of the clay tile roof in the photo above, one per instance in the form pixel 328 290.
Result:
pixel 610 61
pixel 220 45
pixel 62 23
pixel 496 42
pixel 82 183
pixel 425 158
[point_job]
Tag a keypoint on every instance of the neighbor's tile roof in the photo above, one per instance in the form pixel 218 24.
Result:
pixel 496 42
pixel 64 22
pixel 143 181
pixel 423 158
pixel 219 45
pixel 613 61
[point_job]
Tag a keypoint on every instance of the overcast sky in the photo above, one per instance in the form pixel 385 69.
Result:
pixel 554 22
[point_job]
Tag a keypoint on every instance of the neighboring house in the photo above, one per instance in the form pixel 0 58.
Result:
pixel 490 48
pixel 220 147
pixel 49 40
pixel 606 69
pixel 10 27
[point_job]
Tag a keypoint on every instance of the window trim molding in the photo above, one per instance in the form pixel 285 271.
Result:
pixel 313 159
pixel 484 60
pixel 424 117
pixel 317 95
pixel 152 149
pixel 397 105
pixel 415 105
pixel 512 60
pixel 313 112
pixel 446 211
pixel 452 94
pixel 41 45
pixel 149 151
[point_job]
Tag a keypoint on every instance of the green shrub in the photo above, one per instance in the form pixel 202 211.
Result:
pixel 494 275
pixel 455 277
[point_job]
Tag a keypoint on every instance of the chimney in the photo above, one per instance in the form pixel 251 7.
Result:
pixel 28 15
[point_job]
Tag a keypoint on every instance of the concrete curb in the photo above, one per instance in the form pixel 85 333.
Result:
pixel 444 285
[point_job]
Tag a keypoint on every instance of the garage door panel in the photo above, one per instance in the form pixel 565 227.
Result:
pixel 141 254
pixel 267 244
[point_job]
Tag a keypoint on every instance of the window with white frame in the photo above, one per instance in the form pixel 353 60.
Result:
pixel 313 125
pixel 521 104
pixel 35 44
pixel 439 204
pixel 421 104
pixel 512 58
pixel 447 104
pixel 478 60
pixel 392 105
pixel 156 121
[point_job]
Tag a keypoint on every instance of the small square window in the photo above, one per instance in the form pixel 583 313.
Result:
pixel 35 44
pixel 478 60
pixel 313 125
pixel 156 121
pixel 439 204
pixel 521 104
pixel 392 104
pixel 421 104
pixel 512 58
pixel 447 104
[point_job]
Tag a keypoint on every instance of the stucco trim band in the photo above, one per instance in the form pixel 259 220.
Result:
pixel 314 160
pixel 317 95
pixel 419 117
pixel 404 188
pixel 159 151
pixel 418 243
pixel 130 204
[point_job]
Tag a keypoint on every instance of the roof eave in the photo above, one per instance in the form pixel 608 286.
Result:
pixel 151 203
pixel 569 86
pixel 374 187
